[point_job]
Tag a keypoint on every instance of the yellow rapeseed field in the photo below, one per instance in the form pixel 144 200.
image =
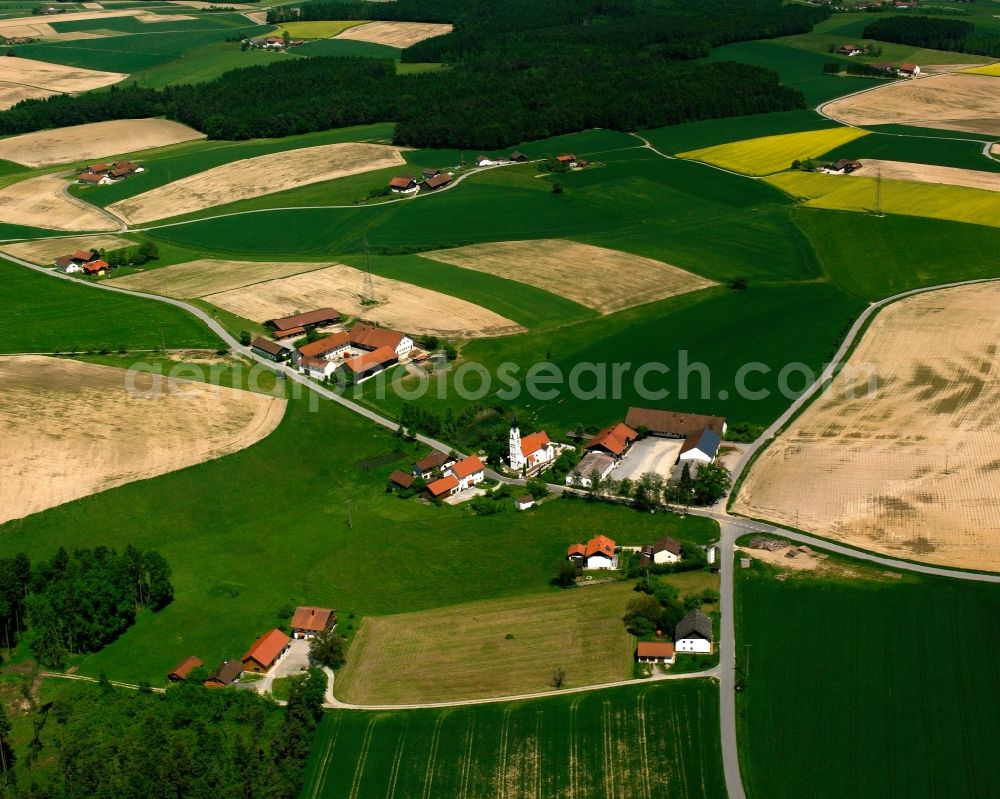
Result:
pixel 849 193
pixel 769 154
pixel 989 69
pixel 326 29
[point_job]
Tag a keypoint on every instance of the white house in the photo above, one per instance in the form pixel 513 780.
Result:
pixel 317 368
pixel 666 550
pixel 702 448
pixel 531 451
pixel 525 502
pixel 597 553
pixel 909 70
pixel 485 160
pixel 694 634
pixel 592 463
pixel 468 472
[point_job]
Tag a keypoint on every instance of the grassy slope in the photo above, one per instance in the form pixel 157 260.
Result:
pixel 868 689
pixel 651 740
pixel 710 132
pixel 267 526
pixel 961 154
pixel 900 252
pixel 44 314
pixel 348 48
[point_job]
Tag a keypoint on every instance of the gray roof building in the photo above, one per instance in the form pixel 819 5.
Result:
pixel 695 625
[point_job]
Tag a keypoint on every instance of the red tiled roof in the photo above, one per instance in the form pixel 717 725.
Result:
pixel 266 648
pixel 292 331
pixel 534 442
pixel 89 178
pixel 438 180
pixel 443 486
pixel 84 255
pixel 185 667
pixel 401 183
pixel 601 545
pixel 372 338
pixel 401 478
pixel 576 549
pixel 565 159
pixel 266 345
pixel 99 167
pixel 671 423
pixel 614 438
pixel 95 266
pixel 467 466
pixel 311 618
pixel 432 460
pixel 325 345
pixel 369 360
pixel 655 649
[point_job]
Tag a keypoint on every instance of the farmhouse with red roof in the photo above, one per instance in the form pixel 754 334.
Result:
pixel 265 651
pixel 597 553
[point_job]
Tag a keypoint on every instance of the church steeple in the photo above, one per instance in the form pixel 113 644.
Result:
pixel 516 457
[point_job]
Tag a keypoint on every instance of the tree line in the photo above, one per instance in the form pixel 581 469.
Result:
pixel 79 602
pixel 517 72
pixel 96 741
pixel 935 33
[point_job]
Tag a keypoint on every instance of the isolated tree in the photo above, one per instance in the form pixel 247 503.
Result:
pixel 327 649
pixel 558 677
pixel 537 488
pixel 161 592
pixel 557 188
pixel 567 574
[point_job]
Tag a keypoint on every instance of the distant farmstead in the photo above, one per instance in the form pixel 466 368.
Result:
pixel 183 669
pixel 702 434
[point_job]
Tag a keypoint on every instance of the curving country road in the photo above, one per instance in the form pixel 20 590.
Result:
pixel 731 526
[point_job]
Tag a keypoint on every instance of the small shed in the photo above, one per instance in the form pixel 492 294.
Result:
pixel 525 502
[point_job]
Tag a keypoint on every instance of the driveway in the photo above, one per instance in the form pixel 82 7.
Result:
pixel 294 661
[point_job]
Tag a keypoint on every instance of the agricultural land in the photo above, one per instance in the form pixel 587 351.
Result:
pixel 60 443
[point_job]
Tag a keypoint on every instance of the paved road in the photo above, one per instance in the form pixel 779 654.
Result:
pixel 731 526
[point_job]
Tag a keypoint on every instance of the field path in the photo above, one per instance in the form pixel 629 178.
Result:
pixel 731 527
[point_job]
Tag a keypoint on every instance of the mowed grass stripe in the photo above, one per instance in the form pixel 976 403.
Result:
pixel 909 198
pixel 525 750
pixel 768 154
pixel 482 649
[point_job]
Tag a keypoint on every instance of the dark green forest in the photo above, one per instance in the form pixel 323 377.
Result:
pixel 97 742
pixel 935 33
pixel 517 71
pixel 79 603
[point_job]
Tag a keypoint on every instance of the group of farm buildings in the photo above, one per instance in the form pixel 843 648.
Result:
pixel 431 179
pixel 263 655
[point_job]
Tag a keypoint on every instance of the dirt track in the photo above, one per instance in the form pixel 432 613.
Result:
pixel 93 140
pixel 395 34
pixel 255 177
pixel 949 102
pixel 40 202
pixel 929 173
pixel 25 78
pixel 72 429
pixel 599 278
pixel 402 306
pixel 912 470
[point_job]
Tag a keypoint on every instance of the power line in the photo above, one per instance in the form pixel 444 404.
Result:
pixel 367 290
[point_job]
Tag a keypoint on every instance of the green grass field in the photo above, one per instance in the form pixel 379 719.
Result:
pixel 900 253
pixel 348 48
pixel 628 743
pixel 239 552
pixel 868 689
pixel 937 201
pixel 710 132
pixel 963 154
pixel 769 154
pixel 45 314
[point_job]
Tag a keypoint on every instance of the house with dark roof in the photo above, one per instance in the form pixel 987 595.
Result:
pixel 655 652
pixel 271 350
pixel 525 502
pixel 401 480
pixel 702 434
pixel 181 671
pixel 597 553
pixel 849 50
pixel 431 462
pixel 75 261
pixel 429 173
pixel 404 184
pixel 517 157
pixel 438 181
pixel 265 651
pixel 694 634
pixel 309 621
pixel 666 550
pixel 227 672
pixel 300 323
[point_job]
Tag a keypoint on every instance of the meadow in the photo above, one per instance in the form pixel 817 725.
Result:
pixel 710 132
pixel 45 315
pixel 769 154
pixel 499 647
pixel 963 154
pixel 846 193
pixel 316 30
pixel 239 553
pixel 868 687
pixel 631 743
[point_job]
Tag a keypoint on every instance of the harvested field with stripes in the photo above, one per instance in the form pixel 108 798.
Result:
pixel 403 306
pixel 910 468
pixel 929 173
pixel 395 34
pixel 42 202
pixel 638 742
pixel 45 251
pixel 596 277
pixel 26 78
pixel 209 276
pixel 501 647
